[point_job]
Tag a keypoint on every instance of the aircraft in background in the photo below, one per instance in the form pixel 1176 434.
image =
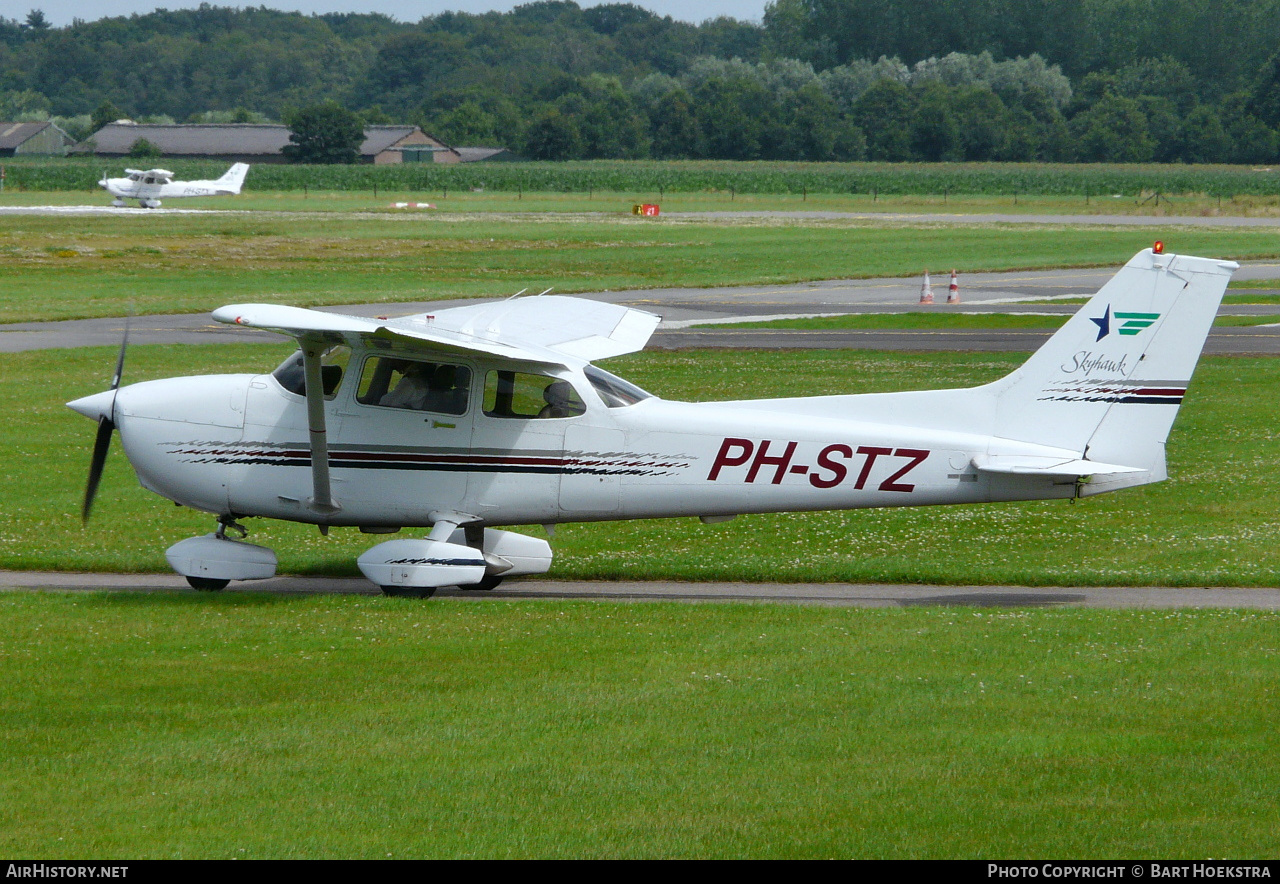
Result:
pixel 153 185
pixel 477 418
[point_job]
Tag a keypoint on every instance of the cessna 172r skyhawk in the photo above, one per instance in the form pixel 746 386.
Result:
pixel 153 185
pixel 494 415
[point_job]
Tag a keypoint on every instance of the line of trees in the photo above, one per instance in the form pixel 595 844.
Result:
pixel 934 80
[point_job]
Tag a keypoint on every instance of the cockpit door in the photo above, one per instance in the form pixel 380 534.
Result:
pixel 404 449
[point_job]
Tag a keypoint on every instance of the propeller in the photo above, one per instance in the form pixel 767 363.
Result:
pixel 102 440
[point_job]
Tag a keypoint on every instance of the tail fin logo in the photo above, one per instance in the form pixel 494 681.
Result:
pixel 1136 322
pixel 1131 325
pixel 1103 323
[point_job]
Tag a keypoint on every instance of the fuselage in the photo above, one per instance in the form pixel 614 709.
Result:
pixel 124 188
pixel 238 445
pixel 150 187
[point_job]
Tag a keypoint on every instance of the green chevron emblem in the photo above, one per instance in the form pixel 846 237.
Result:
pixel 1136 322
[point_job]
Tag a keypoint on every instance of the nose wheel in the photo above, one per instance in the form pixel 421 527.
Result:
pixel 211 562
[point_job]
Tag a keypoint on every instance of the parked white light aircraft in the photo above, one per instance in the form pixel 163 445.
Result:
pixel 493 415
pixel 151 186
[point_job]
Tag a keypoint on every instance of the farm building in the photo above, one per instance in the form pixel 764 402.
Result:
pixel 259 142
pixel 24 139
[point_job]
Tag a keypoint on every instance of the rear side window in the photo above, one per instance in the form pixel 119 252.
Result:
pixel 519 394
pixel 439 387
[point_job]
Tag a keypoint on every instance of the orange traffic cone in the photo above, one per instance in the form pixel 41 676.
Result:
pixel 953 293
pixel 926 290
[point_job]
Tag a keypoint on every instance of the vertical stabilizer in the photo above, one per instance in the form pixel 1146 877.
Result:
pixel 233 179
pixel 1108 384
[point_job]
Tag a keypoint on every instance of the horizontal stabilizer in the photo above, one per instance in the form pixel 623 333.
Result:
pixel 1039 465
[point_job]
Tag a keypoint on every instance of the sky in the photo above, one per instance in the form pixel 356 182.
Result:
pixel 60 12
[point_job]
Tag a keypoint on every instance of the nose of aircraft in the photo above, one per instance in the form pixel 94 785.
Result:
pixel 95 406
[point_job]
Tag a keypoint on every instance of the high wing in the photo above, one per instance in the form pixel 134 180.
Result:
pixel 155 174
pixel 546 329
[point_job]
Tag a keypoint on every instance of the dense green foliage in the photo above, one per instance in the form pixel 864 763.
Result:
pixel 925 80
pixel 323 133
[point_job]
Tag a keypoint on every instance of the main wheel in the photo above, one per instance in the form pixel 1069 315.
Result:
pixel 207 584
pixel 489 582
pixel 409 592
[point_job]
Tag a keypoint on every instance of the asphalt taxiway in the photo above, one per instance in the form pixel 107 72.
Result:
pixel 687 312
pixel 826 594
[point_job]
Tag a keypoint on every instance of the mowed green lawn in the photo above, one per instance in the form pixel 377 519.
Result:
pixel 75 267
pixel 248 726
pixel 1213 523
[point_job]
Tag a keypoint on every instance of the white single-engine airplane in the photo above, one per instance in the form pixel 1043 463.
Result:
pixel 493 415
pixel 153 185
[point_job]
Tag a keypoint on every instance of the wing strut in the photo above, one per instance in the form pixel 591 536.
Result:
pixel 321 495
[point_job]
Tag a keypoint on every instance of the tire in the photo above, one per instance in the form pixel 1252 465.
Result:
pixel 207 584
pixel 489 582
pixel 409 592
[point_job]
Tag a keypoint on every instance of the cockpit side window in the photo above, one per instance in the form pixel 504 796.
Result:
pixel 333 365
pixel 521 394
pixel 613 390
pixel 440 387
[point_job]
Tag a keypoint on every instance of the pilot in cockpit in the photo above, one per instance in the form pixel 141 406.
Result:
pixel 411 390
pixel 559 398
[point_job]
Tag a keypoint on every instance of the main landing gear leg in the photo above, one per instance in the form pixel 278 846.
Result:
pixel 475 539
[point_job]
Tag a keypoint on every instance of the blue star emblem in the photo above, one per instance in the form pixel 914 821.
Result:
pixel 1103 322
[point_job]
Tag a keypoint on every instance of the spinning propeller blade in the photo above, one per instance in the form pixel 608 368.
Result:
pixel 102 440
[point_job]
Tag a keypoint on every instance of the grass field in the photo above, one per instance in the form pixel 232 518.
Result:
pixel 65 268
pixel 1213 523
pixel 153 726
pixel 253 726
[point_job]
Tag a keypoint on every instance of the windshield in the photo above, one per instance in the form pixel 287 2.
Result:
pixel 333 363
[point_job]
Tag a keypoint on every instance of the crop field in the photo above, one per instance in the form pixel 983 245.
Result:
pixel 245 725
pixel 662 177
